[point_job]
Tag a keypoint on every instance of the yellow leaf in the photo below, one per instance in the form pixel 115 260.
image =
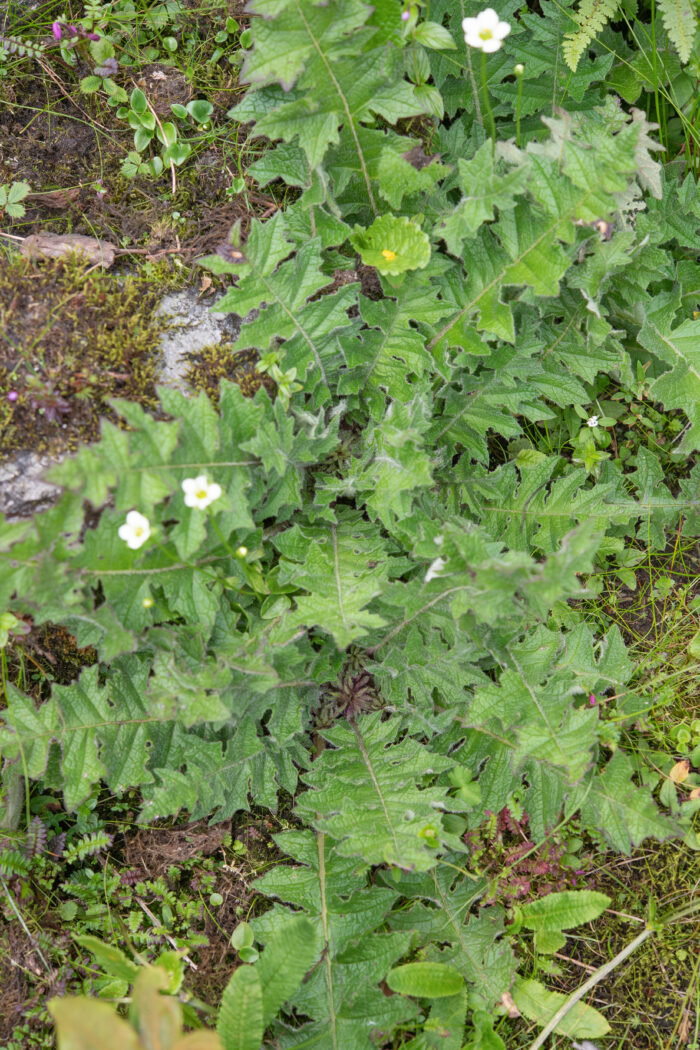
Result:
pixel 202 1040
pixel 158 1017
pixel 87 1024
pixel 680 771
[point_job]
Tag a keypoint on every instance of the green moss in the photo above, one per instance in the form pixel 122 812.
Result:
pixel 70 339
pixel 220 361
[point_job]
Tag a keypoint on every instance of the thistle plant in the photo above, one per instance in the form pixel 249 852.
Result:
pixel 359 594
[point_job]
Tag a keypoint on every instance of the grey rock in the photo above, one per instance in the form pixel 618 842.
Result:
pixel 23 488
pixel 197 327
pixel 24 491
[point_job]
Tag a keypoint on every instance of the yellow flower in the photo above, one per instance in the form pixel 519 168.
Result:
pixel 147 603
pixel 388 255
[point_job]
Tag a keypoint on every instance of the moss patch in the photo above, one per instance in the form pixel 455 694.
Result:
pixel 211 364
pixel 71 338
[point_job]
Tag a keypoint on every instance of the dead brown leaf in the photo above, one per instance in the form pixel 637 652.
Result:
pixel 419 158
pixel 55 198
pixel 508 1004
pixel 55 246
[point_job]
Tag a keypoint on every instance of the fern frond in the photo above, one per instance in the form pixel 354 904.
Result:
pixel 592 16
pixel 87 846
pixel 19 45
pixel 680 22
pixel 35 843
pixel 13 863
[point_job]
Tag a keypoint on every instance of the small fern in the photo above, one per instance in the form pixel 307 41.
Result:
pixel 680 22
pixel 13 864
pixel 87 846
pixel 592 17
pixel 35 843
pixel 21 46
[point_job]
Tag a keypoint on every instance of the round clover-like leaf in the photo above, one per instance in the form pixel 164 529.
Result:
pixel 393 244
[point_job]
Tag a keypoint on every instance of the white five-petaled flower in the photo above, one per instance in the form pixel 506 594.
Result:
pixel 485 32
pixel 135 531
pixel 592 422
pixel 435 569
pixel 199 492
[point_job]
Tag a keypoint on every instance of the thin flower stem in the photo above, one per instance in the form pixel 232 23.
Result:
pixel 517 111
pixel 487 101
pixel 221 536
pixel 477 103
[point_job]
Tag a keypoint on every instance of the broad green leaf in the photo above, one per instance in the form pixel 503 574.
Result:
pixel 539 1004
pixel 364 792
pixel 240 1022
pixel 393 244
pixel 342 992
pixel 109 957
pixel 138 102
pixel 562 911
pixel 351 555
pixel 620 813
pixel 425 979
pixel 289 954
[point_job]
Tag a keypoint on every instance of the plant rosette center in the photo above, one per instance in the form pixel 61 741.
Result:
pixel 393 244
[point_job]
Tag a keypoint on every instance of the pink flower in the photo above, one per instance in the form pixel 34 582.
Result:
pixel 405 15
pixel 591 700
pixel 93 36
pixel 56 30
pixel 12 395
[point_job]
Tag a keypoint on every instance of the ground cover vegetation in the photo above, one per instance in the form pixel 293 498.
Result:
pixel 351 701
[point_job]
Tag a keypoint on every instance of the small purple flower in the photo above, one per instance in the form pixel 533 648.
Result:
pixel 56 30
pixel 73 30
pixel 12 395
pixel 93 36
pixel 108 68
pixel 591 700
pixel 405 15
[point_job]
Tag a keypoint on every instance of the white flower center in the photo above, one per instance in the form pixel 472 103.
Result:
pixel 486 34
pixel 201 493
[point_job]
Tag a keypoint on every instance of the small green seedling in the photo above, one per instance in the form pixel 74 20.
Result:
pixel 10 196
pixel 148 129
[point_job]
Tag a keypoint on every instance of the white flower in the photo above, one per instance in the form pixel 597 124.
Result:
pixel 592 422
pixel 485 32
pixel 135 531
pixel 435 569
pixel 199 493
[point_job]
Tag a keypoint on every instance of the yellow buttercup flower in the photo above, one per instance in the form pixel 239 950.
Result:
pixel 388 255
